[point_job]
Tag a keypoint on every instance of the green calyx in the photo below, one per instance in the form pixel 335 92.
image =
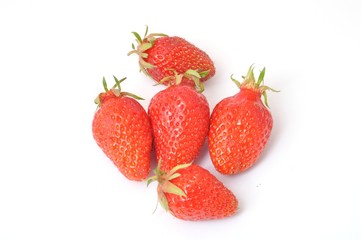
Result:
pixel 251 83
pixel 144 44
pixel 164 184
pixel 116 89
pixel 191 74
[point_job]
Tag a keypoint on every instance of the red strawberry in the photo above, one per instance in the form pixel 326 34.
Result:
pixel 240 126
pixel 191 192
pixel 159 54
pixel 180 121
pixel 122 130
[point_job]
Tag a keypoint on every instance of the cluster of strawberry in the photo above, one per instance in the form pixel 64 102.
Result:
pixel 178 123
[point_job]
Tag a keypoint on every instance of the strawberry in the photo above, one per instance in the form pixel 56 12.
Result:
pixel 179 116
pixel 159 54
pixel 190 192
pixel 121 128
pixel 240 126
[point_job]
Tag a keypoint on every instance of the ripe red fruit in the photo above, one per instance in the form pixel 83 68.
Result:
pixel 160 54
pixel 240 126
pixel 190 192
pixel 179 116
pixel 121 128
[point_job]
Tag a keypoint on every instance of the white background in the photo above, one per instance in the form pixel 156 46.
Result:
pixel 55 183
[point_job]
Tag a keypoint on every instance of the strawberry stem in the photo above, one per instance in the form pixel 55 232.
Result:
pixel 138 38
pixel 116 89
pixel 143 45
pixel 236 81
pixel 105 86
pixel 261 76
pixel 132 95
pixel 146 31
pixel 250 83
pixel 164 184
pixel 117 82
pixel 193 75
